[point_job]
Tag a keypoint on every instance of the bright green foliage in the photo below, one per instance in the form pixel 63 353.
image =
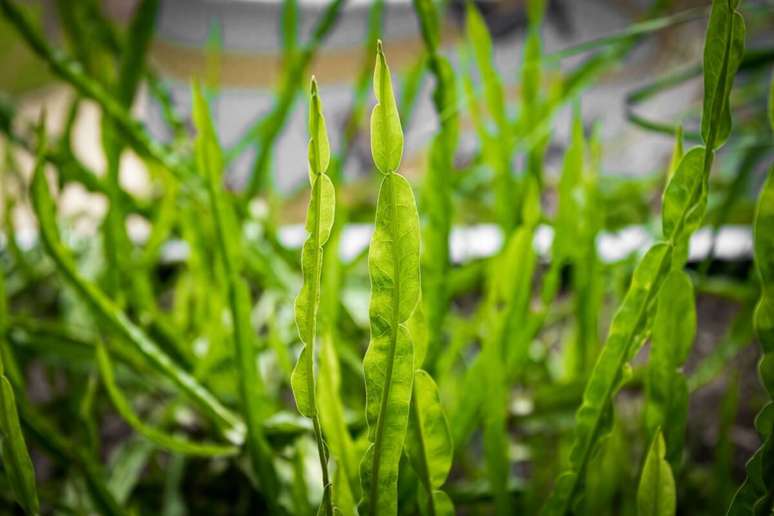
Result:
pixel 503 348
pixel 386 132
pixel 117 321
pixel 210 163
pixel 318 225
pixel 656 494
pixel 393 263
pixel 186 336
pixel 666 393
pixel 322 206
pixel 685 201
pixel 592 419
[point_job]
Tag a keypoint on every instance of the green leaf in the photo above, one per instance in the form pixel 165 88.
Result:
pixel 478 36
pixel 164 440
pixel 437 187
pixel 656 494
pixel 319 148
pixel 16 458
pixel 674 329
pixel 496 148
pixel 117 321
pixel 428 442
pixel 592 419
pixel 388 367
pixel 139 36
pixel 443 504
pixel 679 195
pixel 393 257
pixel 428 23
pixel 319 222
pixel 386 131
pixel 393 265
pixel 723 51
pixel 754 495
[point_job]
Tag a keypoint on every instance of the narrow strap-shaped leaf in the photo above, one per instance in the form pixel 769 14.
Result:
pixel 590 420
pixel 210 163
pixel 15 457
pixel 656 494
pixel 393 264
pixel 139 37
pixel 322 206
pixel 159 437
pixel 685 202
pixel 478 36
pixel 666 390
pixel 102 306
pixel 429 442
pixel 755 494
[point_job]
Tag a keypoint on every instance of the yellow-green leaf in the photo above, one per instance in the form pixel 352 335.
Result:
pixel 386 131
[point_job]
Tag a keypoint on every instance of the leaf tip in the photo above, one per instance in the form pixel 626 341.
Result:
pixel 313 86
